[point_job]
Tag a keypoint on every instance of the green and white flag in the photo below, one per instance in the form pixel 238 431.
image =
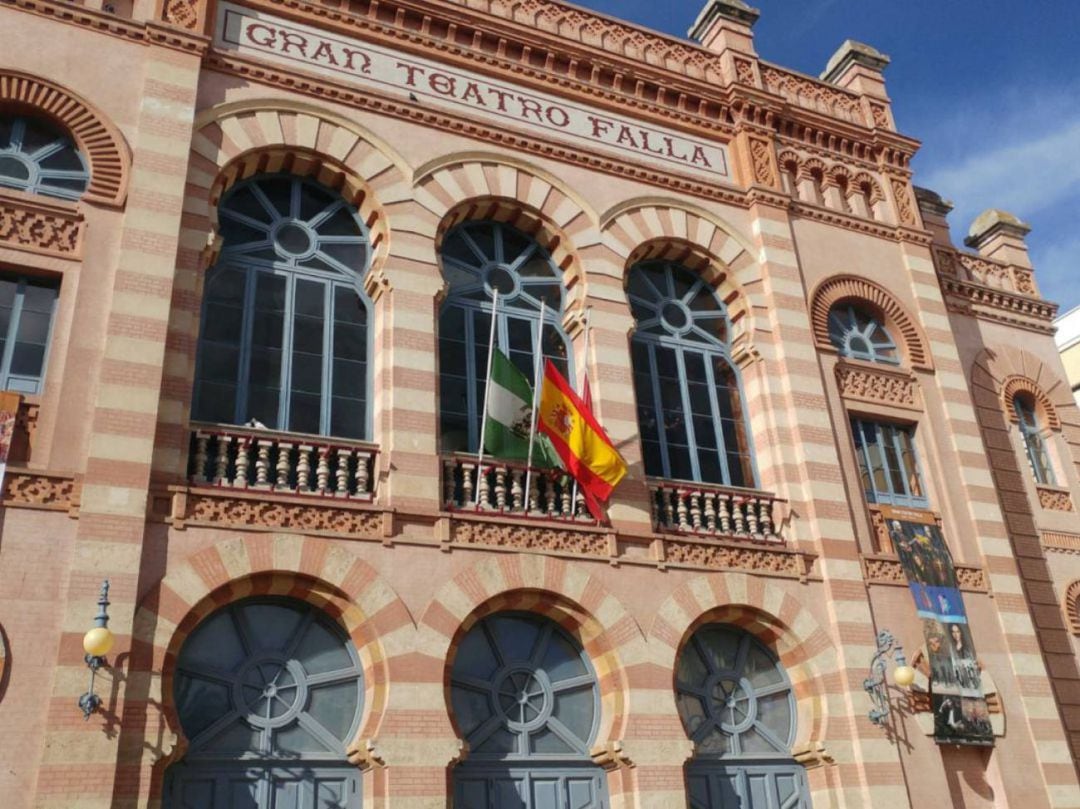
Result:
pixel 509 410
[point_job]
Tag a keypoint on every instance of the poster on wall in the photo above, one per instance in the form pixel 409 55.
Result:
pixel 7 431
pixel 961 715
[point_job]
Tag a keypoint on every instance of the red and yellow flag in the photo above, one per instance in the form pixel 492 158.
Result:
pixel 584 447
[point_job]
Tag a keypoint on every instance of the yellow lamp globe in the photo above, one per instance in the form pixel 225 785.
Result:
pixel 98 642
pixel 904 676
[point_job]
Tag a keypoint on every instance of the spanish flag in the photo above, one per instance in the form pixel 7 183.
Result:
pixel 580 441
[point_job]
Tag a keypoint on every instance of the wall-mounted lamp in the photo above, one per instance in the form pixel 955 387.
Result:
pixel 875 685
pixel 97 643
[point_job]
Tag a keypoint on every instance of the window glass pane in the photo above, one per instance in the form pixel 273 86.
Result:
pixel 721 648
pixel 514 636
pixel 562 660
pixel 774 712
pixel 201 703
pixel 575 710
pixel 305 406
pixel 334 706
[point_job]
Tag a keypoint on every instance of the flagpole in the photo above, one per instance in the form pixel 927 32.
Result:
pixel 538 354
pixel 581 388
pixel 487 390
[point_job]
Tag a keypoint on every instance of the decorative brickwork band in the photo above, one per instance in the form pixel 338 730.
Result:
pixel 859 290
pixel 1071 606
pixel 878 385
pixel 96 137
pixel 38 224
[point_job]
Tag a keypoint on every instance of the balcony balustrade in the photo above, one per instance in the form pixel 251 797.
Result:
pixel 247 458
pixel 691 508
pixel 499 488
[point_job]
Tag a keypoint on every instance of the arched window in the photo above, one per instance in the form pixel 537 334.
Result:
pixel 689 397
pixel 39 158
pixel 1031 433
pixel 857 333
pixel 526 701
pixel 479 258
pixel 284 337
pixel 738 707
pixel 269 692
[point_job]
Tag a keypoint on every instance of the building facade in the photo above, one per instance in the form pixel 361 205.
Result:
pixel 248 257
pixel 1068 343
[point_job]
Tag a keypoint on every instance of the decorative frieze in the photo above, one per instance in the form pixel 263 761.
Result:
pixel 515 536
pixel 220 509
pixel 1060 542
pixel 1053 498
pixel 39 225
pixel 813 95
pixel 877 385
pixel 716 556
pixel 43 490
pixel 886 569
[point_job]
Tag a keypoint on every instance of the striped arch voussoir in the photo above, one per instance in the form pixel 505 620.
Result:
pixel 1071 606
pixel 777 619
pixel 646 229
pixel 475 185
pixel 1044 407
pixel 96 137
pixel 308 569
pixel 896 318
pixel 236 141
pixel 557 590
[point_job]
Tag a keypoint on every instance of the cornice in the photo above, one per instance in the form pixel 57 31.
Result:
pixel 987 303
pixel 366 98
pixel 145 33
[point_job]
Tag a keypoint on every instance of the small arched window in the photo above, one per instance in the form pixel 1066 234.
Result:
pixel 857 333
pixel 284 337
pixel 689 398
pixel 738 707
pixel 1032 435
pixel 478 259
pixel 39 158
pixel 526 699
pixel 269 692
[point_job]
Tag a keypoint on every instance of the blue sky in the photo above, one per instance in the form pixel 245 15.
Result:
pixel 991 88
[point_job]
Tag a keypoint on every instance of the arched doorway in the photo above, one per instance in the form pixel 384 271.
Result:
pixel 525 697
pixel 268 691
pixel 738 707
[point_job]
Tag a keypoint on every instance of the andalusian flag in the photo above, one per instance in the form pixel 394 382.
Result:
pixel 584 447
pixel 509 409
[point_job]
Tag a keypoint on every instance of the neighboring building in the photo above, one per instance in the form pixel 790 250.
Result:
pixel 1067 338
pixel 247 254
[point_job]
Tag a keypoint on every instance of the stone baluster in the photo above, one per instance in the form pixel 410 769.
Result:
pixel 221 462
pixel 710 512
pixel 202 443
pixel 467 485
pixel 680 508
pixel 581 511
pixel 765 517
pixel 534 494
pixel 695 510
pixel 303 468
pixel 737 504
pixel 322 471
pixel 262 463
pixel 669 509
pixel 242 461
pixel 483 486
pixel 282 468
pixel 449 483
pixel 566 496
pixel 724 501
pixel 517 493
pixel 500 487
pixel 343 458
pixel 550 495
pixel 363 478
pixel 751 516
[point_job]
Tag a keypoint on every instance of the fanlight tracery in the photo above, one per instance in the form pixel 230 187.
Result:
pixel 689 396
pixel 284 336
pixel 738 707
pixel 38 158
pixel 480 258
pixel 857 333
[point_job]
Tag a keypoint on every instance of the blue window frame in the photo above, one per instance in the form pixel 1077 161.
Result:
pixel 38 158
pixel 857 333
pixel 269 692
pixel 526 700
pixel 26 315
pixel 738 706
pixel 888 463
pixel 1034 445
pixel 689 396
pixel 479 258
pixel 285 338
